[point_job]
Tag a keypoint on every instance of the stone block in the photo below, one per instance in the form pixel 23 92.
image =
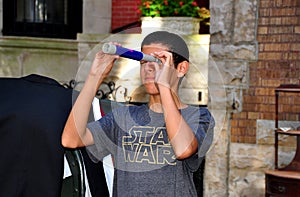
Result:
pixel 97 16
pixel 216 165
pixel 245 21
pixel 230 52
pixel 265 132
pixel 247 165
pixel 220 21
pixel 1 16
pixel 297 29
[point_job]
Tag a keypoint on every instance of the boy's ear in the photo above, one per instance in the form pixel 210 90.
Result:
pixel 182 68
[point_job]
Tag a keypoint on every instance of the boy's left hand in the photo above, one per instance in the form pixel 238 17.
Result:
pixel 166 74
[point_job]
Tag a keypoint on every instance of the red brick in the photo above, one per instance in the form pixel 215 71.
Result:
pixel 269 38
pixel 234 123
pixel 250 140
pixel 280 29
pixel 253 115
pixel 251 131
pixel 264 3
pixel 282 12
pixel 267 116
pixel 276 47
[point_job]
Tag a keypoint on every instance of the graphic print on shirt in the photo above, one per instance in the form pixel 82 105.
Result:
pixel 150 145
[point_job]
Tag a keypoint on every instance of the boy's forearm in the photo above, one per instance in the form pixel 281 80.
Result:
pixel 75 133
pixel 181 136
pixel 82 106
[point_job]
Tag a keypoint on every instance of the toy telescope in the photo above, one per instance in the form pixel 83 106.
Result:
pixel 128 53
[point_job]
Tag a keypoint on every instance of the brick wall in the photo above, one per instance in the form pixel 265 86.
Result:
pixel 124 12
pixel 278 63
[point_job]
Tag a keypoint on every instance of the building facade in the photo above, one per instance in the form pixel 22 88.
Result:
pixel 253 47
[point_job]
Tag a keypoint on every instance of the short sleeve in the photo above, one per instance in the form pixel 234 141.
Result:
pixel 206 125
pixel 103 135
pixel 202 123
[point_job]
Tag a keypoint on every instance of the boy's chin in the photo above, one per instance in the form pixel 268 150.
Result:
pixel 151 88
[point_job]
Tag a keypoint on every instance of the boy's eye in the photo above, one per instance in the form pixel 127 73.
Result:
pixel 143 62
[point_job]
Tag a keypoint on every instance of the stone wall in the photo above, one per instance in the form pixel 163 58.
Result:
pixel 1 17
pixel 233 46
pixel 97 16
pixel 55 58
pixel 244 147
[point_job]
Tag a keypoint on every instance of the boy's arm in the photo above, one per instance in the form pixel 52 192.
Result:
pixel 181 136
pixel 75 133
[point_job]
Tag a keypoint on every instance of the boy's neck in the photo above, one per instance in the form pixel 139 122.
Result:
pixel 156 105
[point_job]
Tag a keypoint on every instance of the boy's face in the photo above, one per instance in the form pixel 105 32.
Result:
pixel 148 70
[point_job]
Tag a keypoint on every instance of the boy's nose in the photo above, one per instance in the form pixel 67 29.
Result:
pixel 149 67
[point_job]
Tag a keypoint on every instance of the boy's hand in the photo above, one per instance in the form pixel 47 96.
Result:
pixel 166 74
pixel 102 64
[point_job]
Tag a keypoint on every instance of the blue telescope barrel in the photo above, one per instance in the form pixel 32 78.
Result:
pixel 128 53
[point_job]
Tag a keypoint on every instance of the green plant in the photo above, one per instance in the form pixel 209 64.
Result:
pixel 165 8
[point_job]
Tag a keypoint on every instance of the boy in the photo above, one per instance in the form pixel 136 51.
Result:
pixel 156 146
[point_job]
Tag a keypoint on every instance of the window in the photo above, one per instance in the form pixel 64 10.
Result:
pixel 42 18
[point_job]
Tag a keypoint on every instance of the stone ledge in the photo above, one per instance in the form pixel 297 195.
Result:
pixel 265 133
pixel 38 43
pixel 245 51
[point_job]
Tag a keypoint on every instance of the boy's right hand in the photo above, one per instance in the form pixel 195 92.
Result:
pixel 102 64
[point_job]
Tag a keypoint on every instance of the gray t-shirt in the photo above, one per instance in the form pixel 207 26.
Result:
pixel 144 161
